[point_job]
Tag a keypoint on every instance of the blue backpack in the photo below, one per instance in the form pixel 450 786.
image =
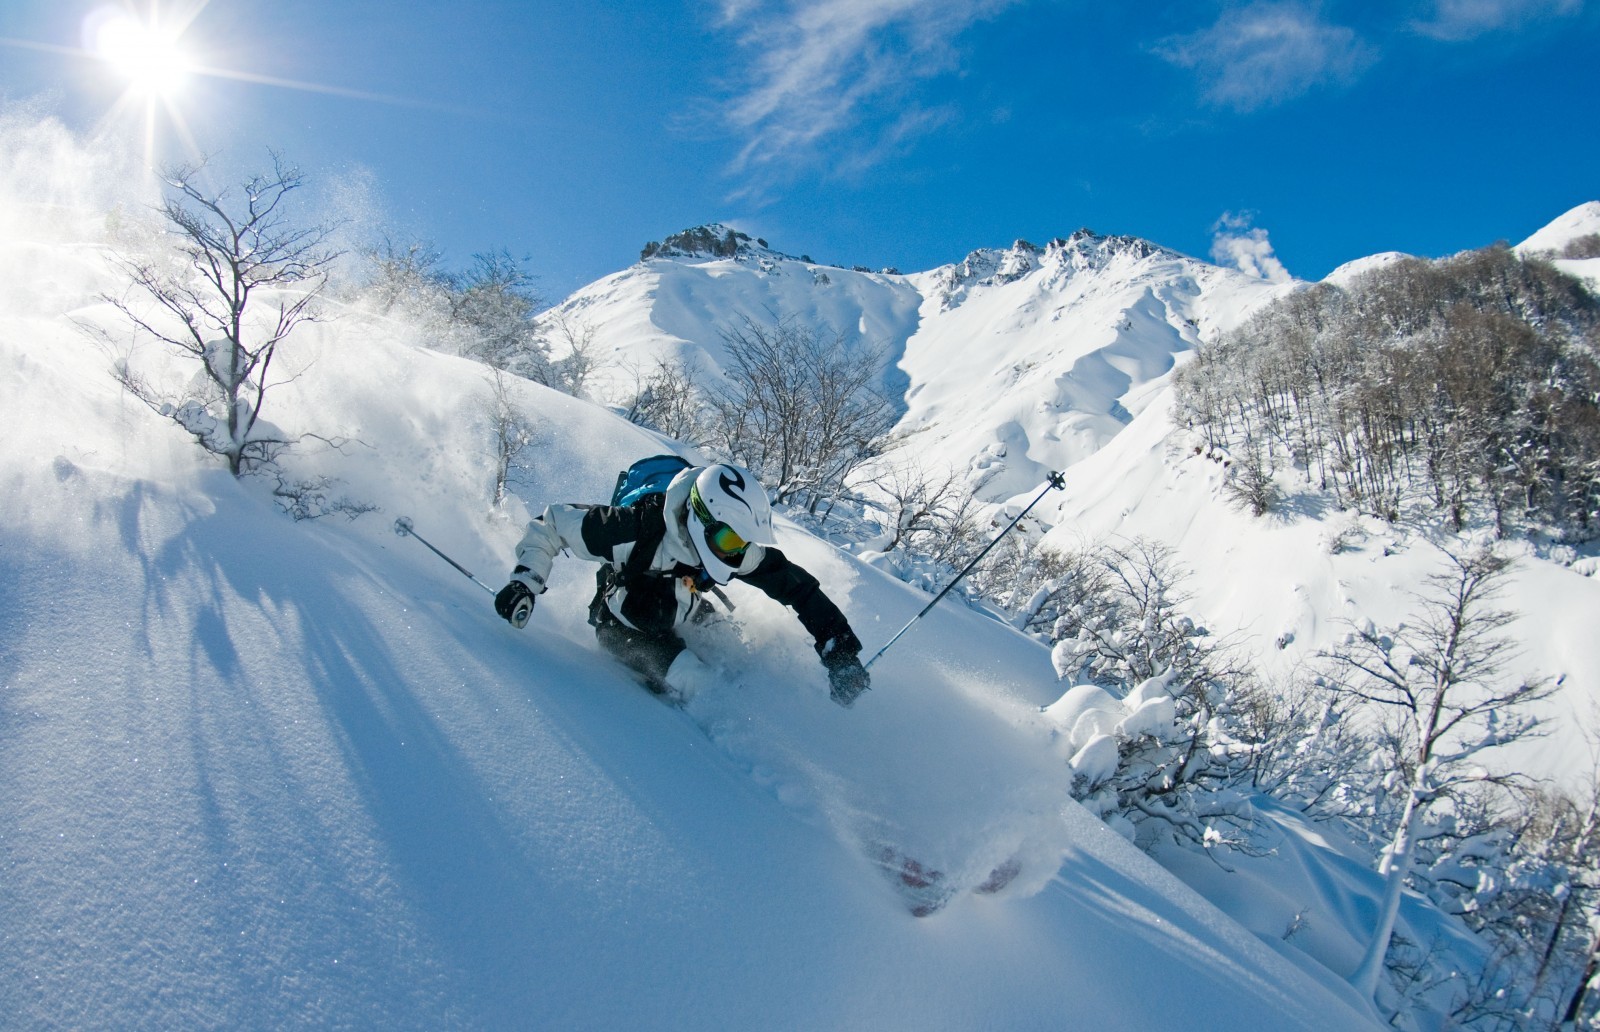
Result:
pixel 647 477
pixel 639 481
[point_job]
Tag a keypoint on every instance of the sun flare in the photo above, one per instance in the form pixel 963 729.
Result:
pixel 144 53
pixel 144 47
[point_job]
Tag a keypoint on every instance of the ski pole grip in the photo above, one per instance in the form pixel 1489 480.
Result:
pixel 521 612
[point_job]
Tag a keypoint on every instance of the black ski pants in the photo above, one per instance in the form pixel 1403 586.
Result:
pixel 650 654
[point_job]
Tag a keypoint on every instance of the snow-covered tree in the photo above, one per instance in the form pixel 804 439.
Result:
pixel 485 312
pixel 1302 747
pixel 1438 687
pixel 409 282
pixel 245 275
pixel 572 342
pixel 1468 385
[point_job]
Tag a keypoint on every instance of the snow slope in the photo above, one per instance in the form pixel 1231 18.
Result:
pixel 266 774
pixel 1584 220
pixel 1029 360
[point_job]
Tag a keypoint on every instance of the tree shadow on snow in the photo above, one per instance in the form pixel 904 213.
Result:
pixel 268 630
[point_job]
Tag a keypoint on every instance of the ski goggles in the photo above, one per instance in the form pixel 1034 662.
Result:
pixel 725 543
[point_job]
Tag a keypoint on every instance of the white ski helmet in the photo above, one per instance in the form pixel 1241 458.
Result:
pixel 728 512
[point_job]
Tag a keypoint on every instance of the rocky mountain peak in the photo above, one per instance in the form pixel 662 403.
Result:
pixel 713 240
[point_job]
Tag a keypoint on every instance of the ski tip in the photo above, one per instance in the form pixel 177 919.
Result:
pixel 922 888
pixel 926 890
pixel 1000 877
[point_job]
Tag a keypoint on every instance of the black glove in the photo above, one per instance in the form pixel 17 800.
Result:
pixel 847 678
pixel 514 603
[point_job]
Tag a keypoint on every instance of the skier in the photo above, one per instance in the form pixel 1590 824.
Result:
pixel 709 525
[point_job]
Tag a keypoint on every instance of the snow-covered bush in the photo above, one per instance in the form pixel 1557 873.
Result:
pixel 1124 612
pixel 1170 743
pixel 1145 726
pixel 1294 742
pixel 669 400
pixel 486 312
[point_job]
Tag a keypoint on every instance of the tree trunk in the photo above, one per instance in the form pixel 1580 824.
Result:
pixel 1575 1004
pixel 1394 867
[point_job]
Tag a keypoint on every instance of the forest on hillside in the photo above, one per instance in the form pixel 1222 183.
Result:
pixel 1467 387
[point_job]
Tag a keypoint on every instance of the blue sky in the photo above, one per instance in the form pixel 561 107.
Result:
pixel 1280 134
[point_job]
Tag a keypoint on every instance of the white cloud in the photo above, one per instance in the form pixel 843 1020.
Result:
pixel 1236 244
pixel 1457 20
pixel 1267 53
pixel 818 69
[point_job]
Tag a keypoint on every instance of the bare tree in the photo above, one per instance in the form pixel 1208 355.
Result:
pixel 799 407
pixel 1440 684
pixel 915 502
pixel 493 304
pixel 513 433
pixel 670 400
pixel 1250 478
pixel 580 356
pixel 249 275
pixel 407 280
pixel 1587 246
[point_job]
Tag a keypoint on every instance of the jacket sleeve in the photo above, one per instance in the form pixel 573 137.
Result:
pixel 791 585
pixel 592 532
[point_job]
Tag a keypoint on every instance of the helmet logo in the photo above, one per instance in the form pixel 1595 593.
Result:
pixel 732 483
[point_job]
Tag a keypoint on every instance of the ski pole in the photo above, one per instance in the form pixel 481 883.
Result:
pixel 1056 480
pixel 519 617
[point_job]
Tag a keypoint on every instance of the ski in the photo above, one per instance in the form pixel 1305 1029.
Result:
pixel 1000 877
pixel 925 889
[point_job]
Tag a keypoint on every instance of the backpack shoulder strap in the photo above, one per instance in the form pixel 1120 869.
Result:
pixel 652 531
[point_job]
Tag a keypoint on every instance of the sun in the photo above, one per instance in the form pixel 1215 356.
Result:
pixel 145 53
pixel 141 45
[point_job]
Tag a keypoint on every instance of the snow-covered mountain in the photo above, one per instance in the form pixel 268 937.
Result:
pixel 1580 224
pixel 1582 221
pixel 1031 359
pixel 1008 364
